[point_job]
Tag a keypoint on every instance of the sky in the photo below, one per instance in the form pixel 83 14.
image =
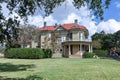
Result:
pixel 66 13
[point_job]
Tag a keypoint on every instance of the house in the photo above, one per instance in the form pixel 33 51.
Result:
pixel 69 39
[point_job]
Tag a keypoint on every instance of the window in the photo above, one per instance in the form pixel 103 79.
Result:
pixel 82 36
pixel 49 36
pixel 70 36
pixel 59 41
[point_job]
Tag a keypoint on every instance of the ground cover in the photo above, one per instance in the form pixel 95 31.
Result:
pixel 59 69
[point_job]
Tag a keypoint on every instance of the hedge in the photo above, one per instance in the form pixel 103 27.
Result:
pixel 88 55
pixel 28 53
pixel 101 53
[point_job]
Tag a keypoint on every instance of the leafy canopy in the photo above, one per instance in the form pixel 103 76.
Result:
pixel 8 31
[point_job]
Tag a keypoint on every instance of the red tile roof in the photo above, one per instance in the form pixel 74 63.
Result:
pixel 72 26
pixel 69 26
pixel 48 28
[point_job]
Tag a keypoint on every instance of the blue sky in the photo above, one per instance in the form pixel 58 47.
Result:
pixel 66 13
pixel 113 12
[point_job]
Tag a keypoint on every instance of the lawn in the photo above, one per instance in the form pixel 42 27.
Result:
pixel 59 69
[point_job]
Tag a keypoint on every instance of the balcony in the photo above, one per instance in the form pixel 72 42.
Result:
pixel 73 40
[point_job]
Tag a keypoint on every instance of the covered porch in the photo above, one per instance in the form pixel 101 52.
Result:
pixel 76 48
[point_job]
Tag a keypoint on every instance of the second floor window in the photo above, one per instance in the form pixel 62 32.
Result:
pixel 82 36
pixel 69 36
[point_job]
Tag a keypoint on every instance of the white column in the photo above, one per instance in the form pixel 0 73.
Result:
pixel 69 50
pixel 80 47
pixel 89 48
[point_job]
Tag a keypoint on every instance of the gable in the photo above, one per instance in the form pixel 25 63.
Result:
pixel 60 28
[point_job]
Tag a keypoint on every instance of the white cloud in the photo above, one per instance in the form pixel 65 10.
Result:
pixel 39 20
pixel 66 13
pixel 109 26
pixel 35 20
pixel 71 17
pixel 117 4
pixel 50 20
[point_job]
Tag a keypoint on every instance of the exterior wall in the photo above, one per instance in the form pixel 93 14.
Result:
pixel 66 51
pixel 47 43
pixel 34 44
pixel 42 40
pixel 71 47
pixel 75 36
pixel 75 49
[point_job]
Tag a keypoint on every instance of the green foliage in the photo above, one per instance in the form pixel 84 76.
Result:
pixel 88 55
pixel 107 41
pixel 2 50
pixel 96 44
pixel 59 69
pixel 28 53
pixel 117 38
pixel 47 53
pixel 98 36
pixel 96 6
pixel 101 53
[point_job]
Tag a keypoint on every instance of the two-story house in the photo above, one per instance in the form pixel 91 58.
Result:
pixel 71 39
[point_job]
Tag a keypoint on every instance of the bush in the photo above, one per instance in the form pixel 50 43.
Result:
pixel 27 53
pixel 2 50
pixel 101 53
pixel 47 53
pixel 88 55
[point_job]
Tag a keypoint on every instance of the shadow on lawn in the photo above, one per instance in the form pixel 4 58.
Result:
pixel 8 67
pixel 33 77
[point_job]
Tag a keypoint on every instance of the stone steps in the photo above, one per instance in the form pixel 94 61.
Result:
pixel 57 55
pixel 75 56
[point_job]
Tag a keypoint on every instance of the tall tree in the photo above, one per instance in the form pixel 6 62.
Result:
pixel 97 39
pixel 117 38
pixel 28 33
pixel 28 7
pixel 108 41
pixel 54 38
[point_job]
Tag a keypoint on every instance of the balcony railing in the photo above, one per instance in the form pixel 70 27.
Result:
pixel 86 40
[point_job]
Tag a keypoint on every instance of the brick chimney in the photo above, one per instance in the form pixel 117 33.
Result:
pixel 45 24
pixel 76 22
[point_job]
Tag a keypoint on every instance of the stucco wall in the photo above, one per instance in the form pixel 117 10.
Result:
pixel 75 35
pixel 75 49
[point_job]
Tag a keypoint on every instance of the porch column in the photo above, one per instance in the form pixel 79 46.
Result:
pixel 69 50
pixel 80 47
pixel 89 48
pixel 62 50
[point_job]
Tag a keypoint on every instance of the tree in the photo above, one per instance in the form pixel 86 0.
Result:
pixel 54 38
pixel 28 33
pixel 28 7
pixel 117 38
pixel 108 41
pixel 9 32
pixel 97 39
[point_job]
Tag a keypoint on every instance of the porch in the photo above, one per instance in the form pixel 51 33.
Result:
pixel 76 48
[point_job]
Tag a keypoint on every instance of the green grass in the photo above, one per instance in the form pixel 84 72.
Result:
pixel 59 69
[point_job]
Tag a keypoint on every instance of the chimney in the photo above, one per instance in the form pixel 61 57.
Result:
pixel 76 22
pixel 55 25
pixel 45 24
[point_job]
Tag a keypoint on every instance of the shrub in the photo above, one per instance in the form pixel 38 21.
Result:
pixel 2 50
pixel 47 53
pixel 27 53
pixel 101 53
pixel 88 55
